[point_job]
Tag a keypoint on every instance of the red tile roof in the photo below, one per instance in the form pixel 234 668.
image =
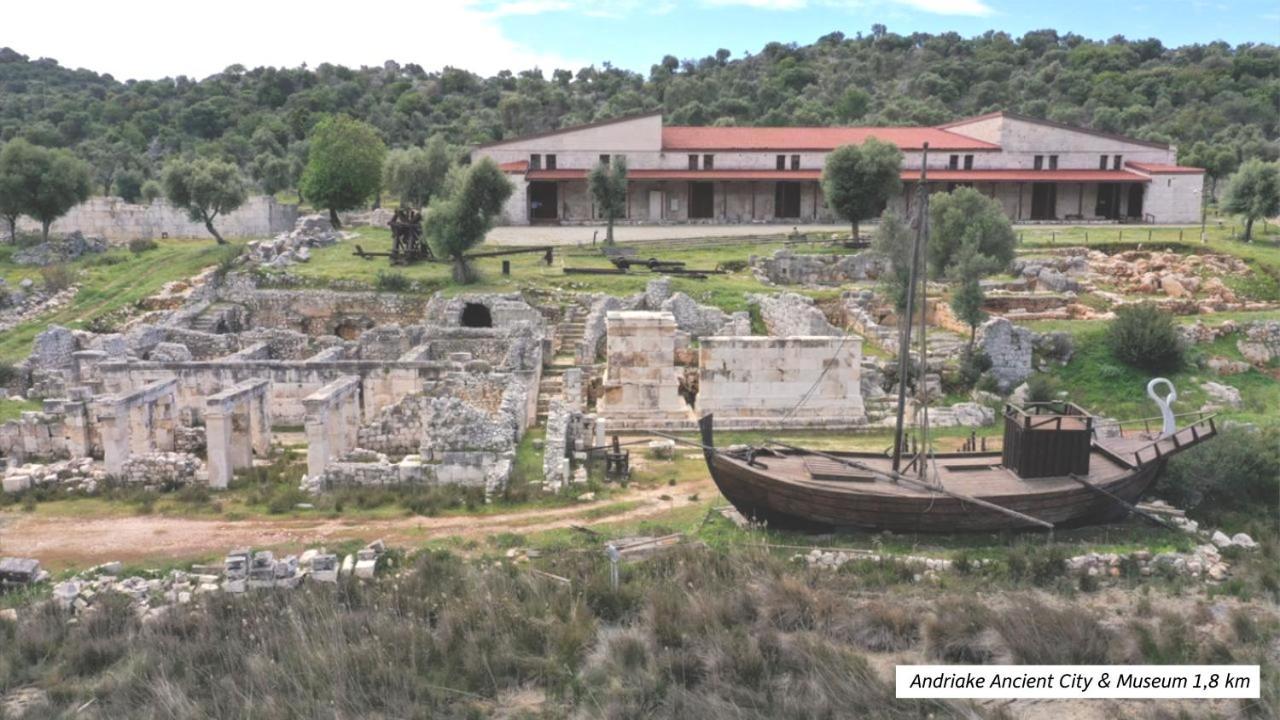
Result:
pixel 1027 176
pixel 1157 169
pixel 816 139
pixel 909 175
pixel 1050 123
pixel 518 166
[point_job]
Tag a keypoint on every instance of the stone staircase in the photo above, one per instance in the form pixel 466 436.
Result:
pixel 570 331
pixel 213 318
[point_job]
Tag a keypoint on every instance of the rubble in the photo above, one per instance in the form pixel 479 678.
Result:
pixel 20 572
pixel 785 267
pixel 790 314
pixel 69 247
pixel 311 231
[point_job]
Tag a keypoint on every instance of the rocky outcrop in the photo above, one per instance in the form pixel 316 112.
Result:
pixel 1261 342
pixel 787 268
pixel 789 314
pixel 1009 348
pixel 59 250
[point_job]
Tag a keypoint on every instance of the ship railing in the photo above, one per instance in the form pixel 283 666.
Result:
pixel 1151 427
pixel 1200 428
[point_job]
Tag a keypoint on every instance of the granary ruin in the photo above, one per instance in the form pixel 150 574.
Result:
pixel 390 389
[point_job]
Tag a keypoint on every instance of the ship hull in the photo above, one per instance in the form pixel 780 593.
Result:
pixel 777 494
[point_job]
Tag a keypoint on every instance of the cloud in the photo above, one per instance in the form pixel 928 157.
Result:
pixel 937 7
pixel 154 39
pixel 975 8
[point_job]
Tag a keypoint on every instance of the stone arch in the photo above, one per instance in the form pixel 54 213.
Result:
pixel 476 315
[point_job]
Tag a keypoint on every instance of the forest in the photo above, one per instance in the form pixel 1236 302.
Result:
pixel 1218 103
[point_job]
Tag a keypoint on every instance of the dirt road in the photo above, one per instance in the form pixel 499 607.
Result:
pixel 81 542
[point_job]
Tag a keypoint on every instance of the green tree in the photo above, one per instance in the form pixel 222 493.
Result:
pixel 968 296
pixel 344 165
pixel 416 174
pixel 205 188
pixel 151 190
pixel 608 184
pixel 853 104
pixel 1143 336
pixel 967 226
pixel 1254 192
pixel 892 242
pixel 459 219
pixel 128 185
pixel 859 179
pixel 41 182
pixel 10 194
pixel 1218 162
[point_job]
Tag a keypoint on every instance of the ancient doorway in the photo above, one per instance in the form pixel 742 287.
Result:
pixel 476 315
pixel 1108 205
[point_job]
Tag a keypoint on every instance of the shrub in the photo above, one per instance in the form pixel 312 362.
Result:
pixel 1037 634
pixel 1042 388
pixel 8 374
pixel 1238 470
pixel 883 627
pixel 388 281
pixel 957 632
pixel 151 191
pixel 973 363
pixel 1144 337
pixel 57 278
pixel 137 246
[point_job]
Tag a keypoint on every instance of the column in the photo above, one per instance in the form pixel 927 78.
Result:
pixel 217 432
pixel 260 419
pixel 241 446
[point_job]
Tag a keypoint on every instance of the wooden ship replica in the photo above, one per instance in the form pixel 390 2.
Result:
pixel 1059 465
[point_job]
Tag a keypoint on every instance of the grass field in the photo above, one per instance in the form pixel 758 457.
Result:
pixel 108 282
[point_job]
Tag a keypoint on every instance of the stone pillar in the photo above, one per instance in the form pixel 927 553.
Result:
pixel 217 432
pixel 260 420
pixel 76 423
pixel 115 438
pixel 164 419
pixel 241 445
pixel 332 421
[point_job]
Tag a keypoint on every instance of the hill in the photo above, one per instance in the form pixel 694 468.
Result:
pixel 1215 101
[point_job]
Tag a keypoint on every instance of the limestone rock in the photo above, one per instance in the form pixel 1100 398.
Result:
pixel 697 320
pixel 1222 395
pixel 171 352
pixel 656 292
pixel 1009 348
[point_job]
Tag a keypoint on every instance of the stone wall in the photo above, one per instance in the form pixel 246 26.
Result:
pixel 761 381
pixel 789 314
pixel 787 268
pixel 641 383
pixel 120 222
pixel 1009 347
pixel 324 312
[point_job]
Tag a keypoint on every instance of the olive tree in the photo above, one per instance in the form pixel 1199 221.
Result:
pixel 41 182
pixel 1254 192
pixel 965 225
pixel 344 165
pixel 415 174
pixel 459 220
pixel 608 183
pixel 205 188
pixel 858 180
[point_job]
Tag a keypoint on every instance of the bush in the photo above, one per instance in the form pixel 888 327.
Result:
pixel 151 191
pixel 137 246
pixel 884 627
pixel 973 363
pixel 1144 337
pixel 1042 388
pixel 388 281
pixel 57 278
pixel 1037 634
pixel 8 374
pixel 957 632
pixel 1238 470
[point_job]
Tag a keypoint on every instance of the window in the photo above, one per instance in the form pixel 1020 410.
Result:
pixel 1053 162
pixel 782 162
pixel 551 162
pixel 1116 159
pixel 795 162
pixel 955 163
pixel 1039 162
pixel 604 159
pixel 968 162
pixel 535 162
pixel 693 162
pixel 709 162
pixel 1102 162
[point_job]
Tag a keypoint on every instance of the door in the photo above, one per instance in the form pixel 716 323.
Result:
pixel 1044 201
pixel 544 198
pixel 1108 205
pixel 655 204
pixel 702 200
pixel 1135 201
pixel 786 200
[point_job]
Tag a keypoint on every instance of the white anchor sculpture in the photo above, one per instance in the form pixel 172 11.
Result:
pixel 1170 425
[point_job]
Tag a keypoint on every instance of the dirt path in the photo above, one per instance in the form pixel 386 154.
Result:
pixel 80 542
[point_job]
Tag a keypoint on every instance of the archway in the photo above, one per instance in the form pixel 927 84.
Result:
pixel 476 315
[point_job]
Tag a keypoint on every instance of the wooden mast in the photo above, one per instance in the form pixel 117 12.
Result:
pixel 904 339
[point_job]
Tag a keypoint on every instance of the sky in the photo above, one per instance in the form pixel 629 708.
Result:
pixel 146 39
